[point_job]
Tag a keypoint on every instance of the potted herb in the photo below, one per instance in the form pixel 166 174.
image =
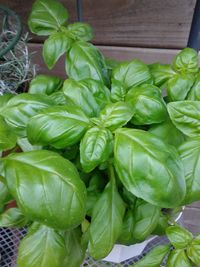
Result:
pixel 99 159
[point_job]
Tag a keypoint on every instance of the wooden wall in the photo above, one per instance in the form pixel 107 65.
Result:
pixel 132 23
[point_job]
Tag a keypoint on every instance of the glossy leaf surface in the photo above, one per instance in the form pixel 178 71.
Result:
pixel 89 64
pixel 42 247
pixel 54 47
pixel 147 104
pixel 39 180
pixel 47 16
pixel 185 115
pixel 193 251
pixel 179 237
pixel 80 31
pixel 58 126
pixel 178 258
pixel 7 138
pixel 163 167
pixel 95 148
pixel 45 84
pixel 12 217
pixel 190 156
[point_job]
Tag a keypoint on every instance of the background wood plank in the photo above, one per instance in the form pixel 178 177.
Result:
pixel 135 23
pixel 140 23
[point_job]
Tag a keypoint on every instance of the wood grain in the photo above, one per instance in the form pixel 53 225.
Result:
pixel 135 23
pixel 140 23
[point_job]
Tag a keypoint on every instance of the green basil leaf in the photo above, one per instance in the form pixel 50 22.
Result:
pixel 161 225
pixel 179 86
pixel 131 74
pixel 126 236
pixel 4 99
pixel 80 31
pixel 168 132
pixel 21 108
pixel 25 145
pixel 190 155
pixel 42 247
pixel 193 251
pixel 81 96
pixel 163 167
pixel 13 217
pixel 90 63
pixel 107 220
pixel 154 258
pixel 76 252
pixel 116 115
pixel 129 198
pixel 186 61
pixel 194 93
pixel 7 138
pixel 147 104
pixel 161 73
pixel 4 194
pixel 146 218
pixel 59 126
pixel 118 91
pixel 39 180
pixel 185 115
pixel 45 84
pixel 95 148
pixel 54 47
pixel 178 236
pixel 58 98
pixel 47 16
pixel 178 258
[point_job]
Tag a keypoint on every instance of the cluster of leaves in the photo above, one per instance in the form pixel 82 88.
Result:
pixel 93 160
pixel 185 251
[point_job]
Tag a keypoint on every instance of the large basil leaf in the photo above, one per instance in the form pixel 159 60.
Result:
pixel 12 217
pixel 147 103
pixel 168 132
pixel 95 148
pixel 163 167
pixel 90 63
pixel 126 236
pixel 59 126
pixel 80 31
pixel 185 115
pixel 21 108
pixel 7 138
pixel 179 237
pixel 154 258
pixel 179 86
pixel 118 91
pixel 115 115
pixel 194 93
pixel 76 252
pixel 190 155
pixel 161 73
pixel 186 61
pixel 39 180
pixel 47 16
pixel 54 47
pixel 88 94
pixel 146 218
pixel 132 73
pixel 42 247
pixel 45 84
pixel 178 258
pixel 107 220
pixel 193 250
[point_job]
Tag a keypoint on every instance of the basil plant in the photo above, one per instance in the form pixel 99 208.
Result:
pixel 102 157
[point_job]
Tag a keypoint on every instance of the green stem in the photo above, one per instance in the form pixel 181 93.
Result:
pixel 111 172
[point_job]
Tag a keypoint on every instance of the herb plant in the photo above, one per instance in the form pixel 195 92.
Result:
pixel 99 158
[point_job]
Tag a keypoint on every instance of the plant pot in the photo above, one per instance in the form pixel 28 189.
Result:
pixel 121 252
